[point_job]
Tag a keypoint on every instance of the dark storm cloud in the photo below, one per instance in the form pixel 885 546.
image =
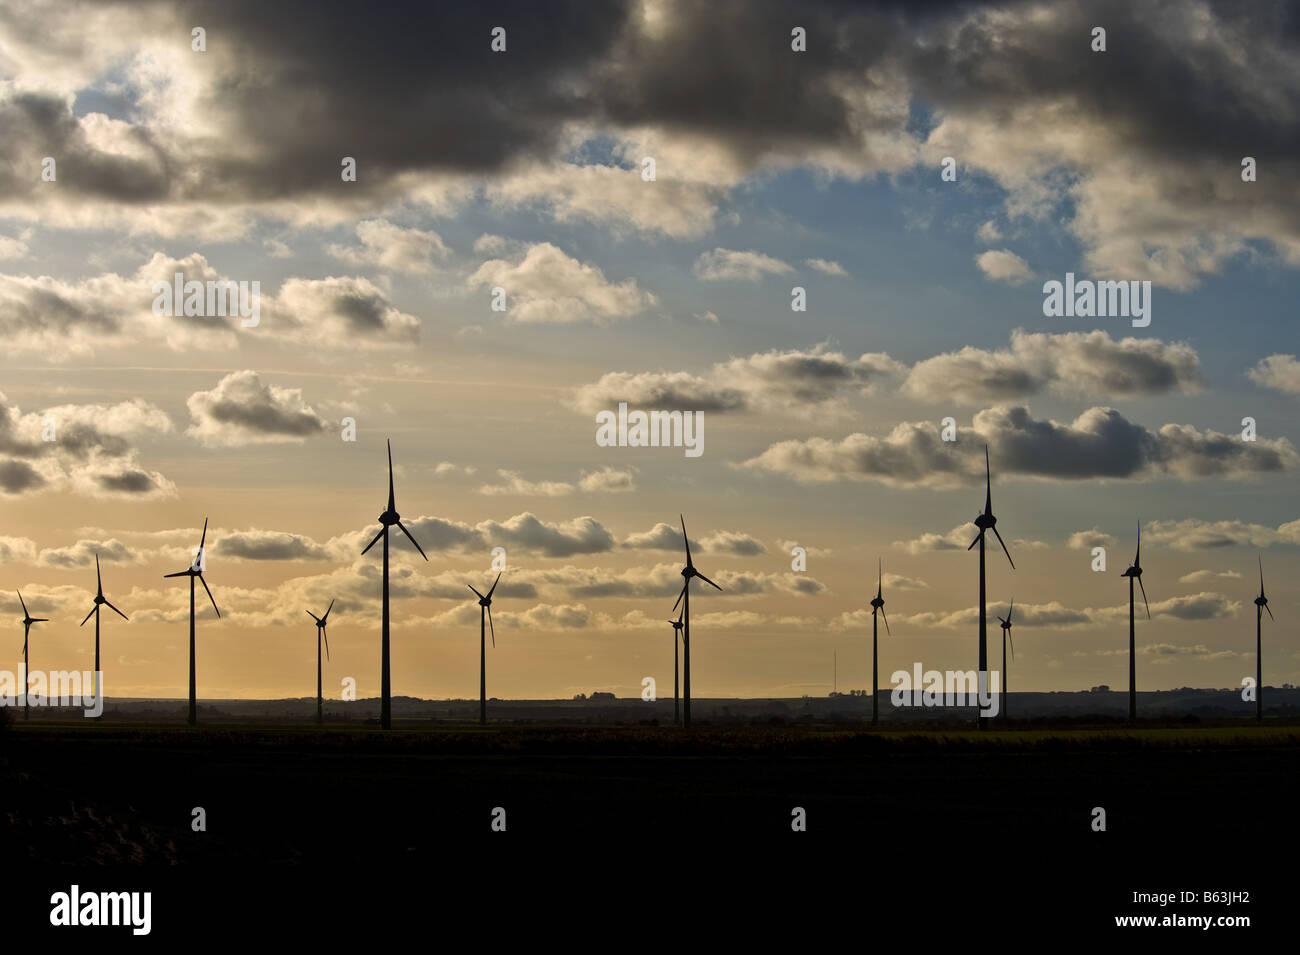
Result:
pixel 19 476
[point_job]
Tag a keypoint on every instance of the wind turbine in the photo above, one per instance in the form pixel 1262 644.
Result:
pixel 389 518
pixel 1261 604
pixel 877 605
pixel 1006 636
pixel 28 620
pixel 986 522
pixel 196 570
pixel 484 615
pixel 688 572
pixel 100 600
pixel 320 635
pixel 1134 573
pixel 677 632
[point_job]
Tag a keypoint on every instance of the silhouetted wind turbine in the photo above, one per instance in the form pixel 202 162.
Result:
pixel 677 632
pixel 484 616
pixel 321 635
pixel 100 600
pixel 389 518
pixel 1134 573
pixel 28 620
pixel 196 570
pixel 1006 635
pixel 986 522
pixel 1261 604
pixel 688 572
pixel 877 605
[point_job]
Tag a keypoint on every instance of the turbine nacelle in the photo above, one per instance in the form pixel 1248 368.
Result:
pixel 389 518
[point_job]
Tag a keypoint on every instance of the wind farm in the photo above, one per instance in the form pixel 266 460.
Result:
pixel 803 271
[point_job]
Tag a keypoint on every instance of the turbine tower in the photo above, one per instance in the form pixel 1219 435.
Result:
pixel 1134 573
pixel 389 518
pixel 484 616
pixel 986 522
pixel 877 606
pixel 1261 604
pixel 196 570
pixel 1006 636
pixel 684 598
pixel 677 632
pixel 321 635
pixel 28 620
pixel 100 601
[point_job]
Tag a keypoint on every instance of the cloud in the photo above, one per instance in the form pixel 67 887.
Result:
pixel 989 233
pixel 1202 606
pixel 15 550
pixel 450 467
pixel 87 449
pixel 11 248
pixel 1099 443
pixel 241 410
pixel 1071 363
pixel 803 380
pixel 827 267
pixel 1196 534
pixel 392 248
pixel 547 286
pixel 83 553
pixel 1278 372
pixel 515 485
pixel 958 538
pixel 608 480
pixel 1093 537
pixel 728 265
pixel 1202 576
pixel 668 537
pixel 267 545
pixel 1002 265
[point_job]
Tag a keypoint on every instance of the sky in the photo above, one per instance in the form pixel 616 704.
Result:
pixel 223 155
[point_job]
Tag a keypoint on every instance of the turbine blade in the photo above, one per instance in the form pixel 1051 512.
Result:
pixel 116 611
pixel 1261 576
pixel 491 628
pixel 40 619
pixel 99 580
pixel 89 615
pixel 313 616
pixel 475 589
pixel 392 503
pixel 886 619
pixel 1270 614
pixel 210 597
pixel 375 541
pixel 327 642
pixel 494 585
pixel 23 602
pixel 709 582
pixel 976 540
pixel 327 612
pixel 880 576
pixel 412 540
pixel 681 595
pixel 1011 609
pixel 204 539
pixel 687 541
pixel 1004 548
pixel 1144 598
pixel 179 573
pixel 1012 642
pixel 988 484
pixel 1137 556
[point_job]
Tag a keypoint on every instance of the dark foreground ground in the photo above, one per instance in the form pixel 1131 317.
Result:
pixel 942 817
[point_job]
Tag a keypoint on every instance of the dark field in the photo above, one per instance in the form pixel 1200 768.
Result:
pixel 1182 802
